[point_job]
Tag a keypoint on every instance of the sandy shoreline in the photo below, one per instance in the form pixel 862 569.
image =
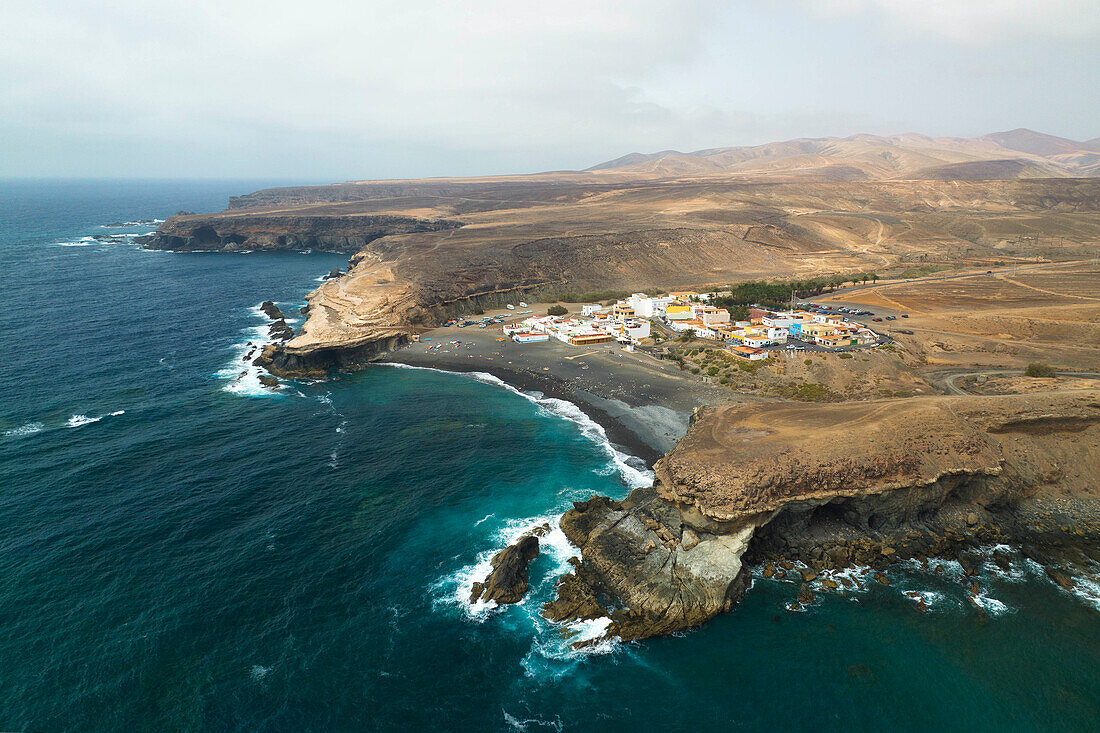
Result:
pixel 643 403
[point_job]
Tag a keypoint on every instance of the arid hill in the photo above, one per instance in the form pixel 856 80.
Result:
pixel 872 157
pixel 423 250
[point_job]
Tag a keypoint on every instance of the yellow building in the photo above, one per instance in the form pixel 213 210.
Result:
pixel 677 312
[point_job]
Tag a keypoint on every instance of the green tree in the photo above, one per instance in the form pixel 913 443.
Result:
pixel 556 310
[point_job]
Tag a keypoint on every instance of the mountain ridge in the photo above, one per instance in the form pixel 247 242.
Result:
pixel 876 157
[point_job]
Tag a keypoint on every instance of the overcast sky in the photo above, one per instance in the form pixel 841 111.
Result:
pixel 348 89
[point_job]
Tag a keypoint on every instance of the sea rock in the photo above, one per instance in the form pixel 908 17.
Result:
pixel 271 310
pixel 507 583
pixel 830 584
pixel 542 530
pixel 881 577
pixel 280 331
pixel 808 574
pixel 1060 578
pixel 651 593
pixel 768 571
pixel 335 273
pixel 269 381
pixel 805 595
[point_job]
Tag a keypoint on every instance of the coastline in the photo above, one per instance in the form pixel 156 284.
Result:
pixel 643 404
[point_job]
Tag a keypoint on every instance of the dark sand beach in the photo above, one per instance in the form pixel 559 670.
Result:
pixel 642 402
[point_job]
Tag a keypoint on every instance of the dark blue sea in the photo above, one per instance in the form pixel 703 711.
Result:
pixel 181 549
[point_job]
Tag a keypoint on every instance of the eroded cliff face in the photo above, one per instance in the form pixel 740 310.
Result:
pixel 832 485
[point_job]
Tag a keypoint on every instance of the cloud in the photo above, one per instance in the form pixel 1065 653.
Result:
pixel 467 75
pixel 431 87
pixel 976 22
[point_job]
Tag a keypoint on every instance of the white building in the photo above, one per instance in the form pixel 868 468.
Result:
pixel 643 305
pixel 637 330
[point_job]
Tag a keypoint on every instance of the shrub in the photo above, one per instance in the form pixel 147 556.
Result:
pixel 713 371
pixel 556 310
pixel 1035 369
pixel 809 392
pixel 724 380
pixel 808 362
pixel 845 356
pixel 695 370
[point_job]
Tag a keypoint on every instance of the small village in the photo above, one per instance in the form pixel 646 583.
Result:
pixel 633 320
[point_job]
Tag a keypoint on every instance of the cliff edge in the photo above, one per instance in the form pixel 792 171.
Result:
pixel 832 485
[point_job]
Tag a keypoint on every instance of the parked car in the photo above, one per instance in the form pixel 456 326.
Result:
pixel 904 315
pixel 890 318
pixel 876 319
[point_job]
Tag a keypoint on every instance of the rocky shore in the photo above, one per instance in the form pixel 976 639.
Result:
pixel 832 487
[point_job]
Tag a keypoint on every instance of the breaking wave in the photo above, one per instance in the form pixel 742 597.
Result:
pixel 632 470
pixel 551 643
pixel 23 430
pixel 77 421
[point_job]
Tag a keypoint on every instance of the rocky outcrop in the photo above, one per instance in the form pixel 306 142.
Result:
pixel 318 361
pixel 271 310
pixel 278 330
pixel 832 486
pixel 507 583
pixel 663 574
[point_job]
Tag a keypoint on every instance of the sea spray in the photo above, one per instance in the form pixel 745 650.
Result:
pixel 24 430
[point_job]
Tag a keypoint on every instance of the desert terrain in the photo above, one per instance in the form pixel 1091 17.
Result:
pixel 424 250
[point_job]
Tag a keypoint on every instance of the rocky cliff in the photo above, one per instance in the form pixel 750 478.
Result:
pixel 832 485
pixel 191 232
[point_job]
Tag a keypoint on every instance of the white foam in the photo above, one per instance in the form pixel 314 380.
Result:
pixel 521 725
pixel 1087 589
pixel 82 242
pixel 551 643
pixel 991 605
pixel 23 430
pixel 77 421
pixel 620 462
pixel 258 672
pixel 931 598
pixel 244 375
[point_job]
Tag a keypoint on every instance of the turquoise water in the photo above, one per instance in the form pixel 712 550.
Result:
pixel 180 550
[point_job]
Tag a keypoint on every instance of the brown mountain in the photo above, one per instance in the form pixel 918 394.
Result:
pixel 1015 154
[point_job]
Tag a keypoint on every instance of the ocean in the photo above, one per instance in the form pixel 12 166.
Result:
pixel 181 549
